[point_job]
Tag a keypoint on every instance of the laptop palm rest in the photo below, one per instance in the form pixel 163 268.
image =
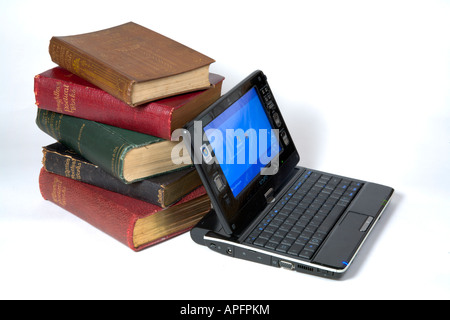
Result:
pixel 344 241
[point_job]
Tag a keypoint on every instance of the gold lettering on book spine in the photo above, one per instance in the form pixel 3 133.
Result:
pixel 75 168
pixel 78 171
pixel 80 134
pixel 67 168
pixel 59 192
pixel 86 68
pixel 113 159
pixel 56 96
pixel 116 159
pixel 65 97
pixel 69 99
pixel 51 122
pixel 76 65
pixel 72 169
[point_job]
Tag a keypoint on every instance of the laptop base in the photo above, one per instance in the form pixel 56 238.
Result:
pixel 335 255
pixel 208 232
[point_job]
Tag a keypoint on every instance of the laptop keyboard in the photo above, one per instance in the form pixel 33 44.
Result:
pixel 304 216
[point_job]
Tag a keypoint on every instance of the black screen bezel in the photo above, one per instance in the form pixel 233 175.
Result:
pixel 234 213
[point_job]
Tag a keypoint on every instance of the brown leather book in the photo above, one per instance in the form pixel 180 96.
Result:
pixel 132 63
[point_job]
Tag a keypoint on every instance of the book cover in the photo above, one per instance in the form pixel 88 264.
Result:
pixel 162 190
pixel 61 91
pixel 132 63
pixel 133 222
pixel 128 155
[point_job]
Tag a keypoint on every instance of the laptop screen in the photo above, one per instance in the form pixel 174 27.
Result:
pixel 243 141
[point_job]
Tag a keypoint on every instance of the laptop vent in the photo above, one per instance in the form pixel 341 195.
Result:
pixel 310 269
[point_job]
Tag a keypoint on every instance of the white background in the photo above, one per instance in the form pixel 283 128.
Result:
pixel 364 87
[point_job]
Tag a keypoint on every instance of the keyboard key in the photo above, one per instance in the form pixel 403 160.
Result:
pixel 276 239
pixel 331 219
pixel 288 241
pixel 334 182
pixel 281 233
pixel 302 223
pixel 265 235
pixel 271 245
pixel 319 235
pixel 354 186
pixel 306 254
pixel 293 235
pixel 315 223
pixel 290 221
pixel 312 245
pixel 307 215
pixel 282 248
pixel 271 229
pixel 250 239
pixel 315 176
pixel 275 223
pixel 295 249
pixel 297 229
pixel 260 242
pixel 310 228
pixel 289 206
pixel 301 241
pixel 318 219
pixel 295 215
pixel 344 201
pixel 315 241
pixel 306 234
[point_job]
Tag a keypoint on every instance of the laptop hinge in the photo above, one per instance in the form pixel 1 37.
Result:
pixel 269 195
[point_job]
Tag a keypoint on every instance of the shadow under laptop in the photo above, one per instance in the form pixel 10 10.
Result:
pixel 377 231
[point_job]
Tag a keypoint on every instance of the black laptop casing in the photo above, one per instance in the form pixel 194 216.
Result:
pixel 224 232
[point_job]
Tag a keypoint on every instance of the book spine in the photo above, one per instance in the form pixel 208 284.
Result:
pixel 90 69
pixel 70 167
pixel 92 204
pixel 91 103
pixel 90 139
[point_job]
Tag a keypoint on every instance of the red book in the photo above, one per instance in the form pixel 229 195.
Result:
pixel 133 222
pixel 60 91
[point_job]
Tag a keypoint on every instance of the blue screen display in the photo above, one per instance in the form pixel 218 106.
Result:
pixel 243 141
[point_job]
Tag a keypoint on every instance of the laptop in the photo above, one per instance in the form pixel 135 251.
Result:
pixel 266 208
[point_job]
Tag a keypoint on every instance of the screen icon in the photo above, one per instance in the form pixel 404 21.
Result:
pixel 206 153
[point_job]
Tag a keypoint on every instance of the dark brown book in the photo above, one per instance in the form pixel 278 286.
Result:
pixel 162 190
pixel 132 63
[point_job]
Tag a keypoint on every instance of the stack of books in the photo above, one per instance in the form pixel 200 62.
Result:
pixel 112 104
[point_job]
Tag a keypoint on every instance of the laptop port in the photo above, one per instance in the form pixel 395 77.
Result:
pixel 286 265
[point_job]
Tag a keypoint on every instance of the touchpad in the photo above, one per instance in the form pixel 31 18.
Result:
pixel 344 240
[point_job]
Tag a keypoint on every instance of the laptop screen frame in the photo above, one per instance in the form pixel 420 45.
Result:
pixel 236 212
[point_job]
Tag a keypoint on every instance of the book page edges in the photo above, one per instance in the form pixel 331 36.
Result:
pixel 140 162
pixel 168 222
pixel 197 79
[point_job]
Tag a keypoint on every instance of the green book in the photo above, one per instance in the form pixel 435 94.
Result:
pixel 128 155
